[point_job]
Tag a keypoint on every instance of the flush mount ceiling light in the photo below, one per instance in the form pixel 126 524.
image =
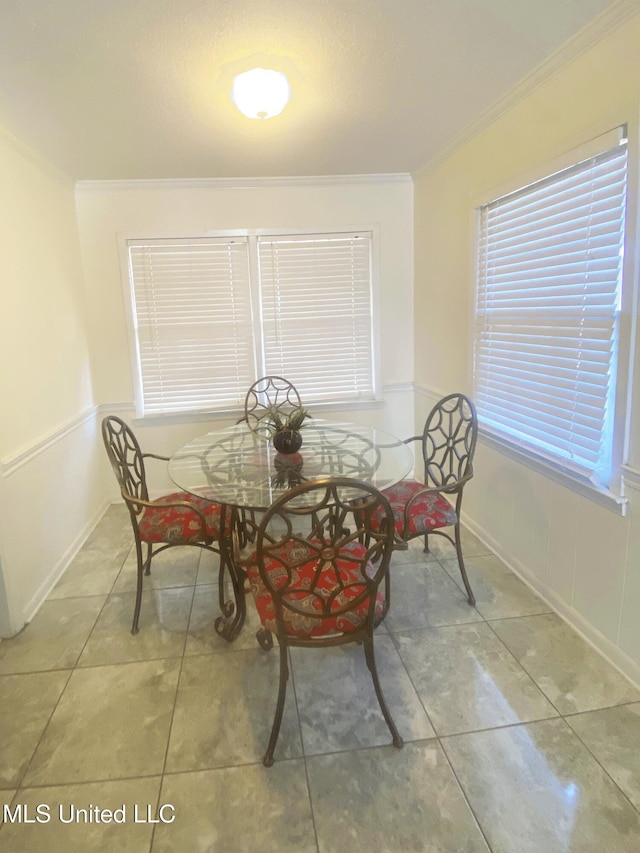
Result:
pixel 260 93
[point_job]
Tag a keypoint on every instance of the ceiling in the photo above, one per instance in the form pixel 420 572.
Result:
pixel 139 89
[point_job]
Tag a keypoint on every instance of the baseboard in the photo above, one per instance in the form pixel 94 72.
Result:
pixel 42 593
pixel 608 650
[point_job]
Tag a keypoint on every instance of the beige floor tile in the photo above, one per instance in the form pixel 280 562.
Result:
pixel 92 572
pixel 126 799
pixel 498 592
pixel 424 596
pixel 569 671
pixel 337 704
pixel 113 531
pixel 54 638
pixel 467 680
pixel 414 553
pixel 536 789
pixel 208 568
pixel 111 722
pixel 100 732
pixel 442 549
pixel 613 736
pixel 388 800
pixel 224 712
pixel 6 797
pixel 174 567
pixel 164 617
pixel 26 704
pixel 245 808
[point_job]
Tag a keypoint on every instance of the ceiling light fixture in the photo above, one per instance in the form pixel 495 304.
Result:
pixel 260 93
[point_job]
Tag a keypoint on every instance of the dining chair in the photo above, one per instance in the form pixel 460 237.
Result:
pixel 448 445
pixel 267 397
pixel 174 519
pixel 314 581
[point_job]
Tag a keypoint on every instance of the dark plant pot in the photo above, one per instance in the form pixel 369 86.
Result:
pixel 287 441
pixel 288 470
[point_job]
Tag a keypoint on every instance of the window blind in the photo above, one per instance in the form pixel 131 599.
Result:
pixel 317 322
pixel 547 306
pixel 192 318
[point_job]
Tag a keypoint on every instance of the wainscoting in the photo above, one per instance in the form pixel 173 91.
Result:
pixel 582 558
pixel 52 495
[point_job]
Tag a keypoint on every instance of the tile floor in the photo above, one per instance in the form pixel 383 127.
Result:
pixel 518 736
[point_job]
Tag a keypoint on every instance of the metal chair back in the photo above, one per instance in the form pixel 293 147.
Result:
pixel 322 525
pixel 267 397
pixel 125 457
pixel 449 440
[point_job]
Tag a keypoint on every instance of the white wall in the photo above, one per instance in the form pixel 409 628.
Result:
pixel 108 211
pixel 583 557
pixel 64 343
pixel 49 494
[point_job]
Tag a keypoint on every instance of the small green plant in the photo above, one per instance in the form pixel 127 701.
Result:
pixel 292 421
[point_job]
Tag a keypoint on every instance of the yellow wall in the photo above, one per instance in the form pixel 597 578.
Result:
pixel 45 378
pixel 49 496
pixel 591 95
pixel 583 557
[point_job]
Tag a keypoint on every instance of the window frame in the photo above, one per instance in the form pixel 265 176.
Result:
pixel 252 235
pixel 612 496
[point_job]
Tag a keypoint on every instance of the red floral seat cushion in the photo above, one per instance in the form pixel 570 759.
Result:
pixel 175 524
pixel 428 512
pixel 308 619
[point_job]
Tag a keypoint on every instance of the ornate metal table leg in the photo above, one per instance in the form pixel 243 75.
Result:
pixel 229 624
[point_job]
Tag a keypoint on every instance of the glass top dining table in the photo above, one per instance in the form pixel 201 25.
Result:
pixel 245 474
pixel 237 467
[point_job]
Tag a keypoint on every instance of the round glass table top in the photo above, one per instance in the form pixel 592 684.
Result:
pixel 236 467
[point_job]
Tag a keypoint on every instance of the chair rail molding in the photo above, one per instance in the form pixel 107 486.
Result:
pixel 23 457
pixel 430 393
pixel 61 474
pixel 631 477
pixel 398 388
pixel 426 399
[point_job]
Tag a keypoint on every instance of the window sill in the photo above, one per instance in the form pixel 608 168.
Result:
pixel 602 496
pixel 317 409
pixel 186 417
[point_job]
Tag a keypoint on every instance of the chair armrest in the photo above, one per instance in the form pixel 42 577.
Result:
pixel 450 488
pixel 155 456
pixel 413 438
pixel 139 502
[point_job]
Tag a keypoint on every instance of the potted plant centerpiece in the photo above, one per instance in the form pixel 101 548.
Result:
pixel 285 430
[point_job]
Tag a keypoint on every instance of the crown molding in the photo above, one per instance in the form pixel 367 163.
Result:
pixel 243 183
pixel 608 21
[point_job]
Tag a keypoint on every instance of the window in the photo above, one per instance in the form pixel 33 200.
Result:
pixel 547 314
pixel 211 315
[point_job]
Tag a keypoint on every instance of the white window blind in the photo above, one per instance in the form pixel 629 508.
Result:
pixel 192 318
pixel 317 321
pixel 212 314
pixel 547 306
